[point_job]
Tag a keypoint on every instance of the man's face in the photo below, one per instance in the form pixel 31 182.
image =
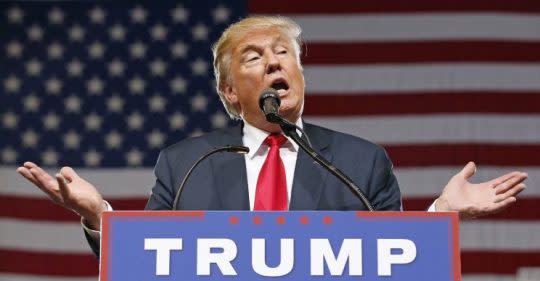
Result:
pixel 265 58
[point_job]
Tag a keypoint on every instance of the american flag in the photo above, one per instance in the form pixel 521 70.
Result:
pixel 103 86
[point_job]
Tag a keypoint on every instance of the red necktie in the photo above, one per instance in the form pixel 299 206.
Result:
pixel 271 194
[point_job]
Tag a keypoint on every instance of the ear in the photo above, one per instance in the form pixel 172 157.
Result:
pixel 230 94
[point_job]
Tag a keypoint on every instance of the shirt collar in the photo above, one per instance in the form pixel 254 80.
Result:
pixel 254 137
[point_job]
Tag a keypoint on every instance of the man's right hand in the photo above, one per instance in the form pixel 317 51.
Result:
pixel 68 190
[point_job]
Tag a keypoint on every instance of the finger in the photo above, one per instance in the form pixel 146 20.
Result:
pixel 495 182
pixel 30 165
pixel 510 182
pixel 44 179
pixel 499 206
pixel 23 171
pixel 510 193
pixel 68 173
pixel 468 171
pixel 62 184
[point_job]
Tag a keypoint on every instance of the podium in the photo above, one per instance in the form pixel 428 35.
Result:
pixel 295 245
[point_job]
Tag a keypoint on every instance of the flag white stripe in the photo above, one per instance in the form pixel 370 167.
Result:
pixel 488 277
pixel 437 77
pixel 414 26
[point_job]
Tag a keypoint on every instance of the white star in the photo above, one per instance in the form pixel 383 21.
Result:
pixel 12 84
pixel 53 86
pixel 200 32
pixel 15 15
pixel 134 157
pixel 219 120
pixel 55 51
pixel 221 14
pixel 73 104
pixel 49 157
pixel 56 16
pixel 138 14
pixel 10 120
pixel 135 121
pixel 76 33
pixel 72 140
pixel 113 140
pixel 137 50
pixel 158 32
pixel 95 86
pixel 33 67
pixel 9 155
pixel 116 67
pixel 179 50
pixel 51 121
pixel 115 104
pixel 35 33
pixel 30 138
pixel 177 121
pixel 136 85
pixel 179 14
pixel 178 85
pixel 75 67
pixel 158 67
pixel 157 103
pixel 117 32
pixel 31 103
pixel 199 67
pixel 96 50
pixel 14 49
pixel 97 15
pixel 92 158
pixel 155 139
pixel 93 122
pixel 199 102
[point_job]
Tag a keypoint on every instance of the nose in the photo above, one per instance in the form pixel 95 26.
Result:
pixel 272 62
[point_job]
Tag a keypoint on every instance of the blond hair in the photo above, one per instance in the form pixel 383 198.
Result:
pixel 222 49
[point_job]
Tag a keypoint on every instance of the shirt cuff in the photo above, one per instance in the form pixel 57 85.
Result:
pixel 432 207
pixel 94 234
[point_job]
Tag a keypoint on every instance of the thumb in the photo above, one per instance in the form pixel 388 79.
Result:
pixel 68 173
pixel 468 171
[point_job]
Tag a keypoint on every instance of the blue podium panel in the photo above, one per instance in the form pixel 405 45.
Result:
pixel 303 245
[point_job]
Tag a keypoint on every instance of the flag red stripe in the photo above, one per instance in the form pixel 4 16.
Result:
pixel 306 7
pixel 479 262
pixel 329 104
pixel 421 52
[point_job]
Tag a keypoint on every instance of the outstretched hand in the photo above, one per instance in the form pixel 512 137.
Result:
pixel 68 190
pixel 474 200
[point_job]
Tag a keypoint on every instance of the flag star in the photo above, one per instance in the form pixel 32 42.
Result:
pixel 51 121
pixel 138 14
pixel 12 84
pixel 134 157
pixel 177 121
pixel 53 86
pixel 115 104
pixel 92 158
pixel 10 120
pixel 137 50
pixel 35 33
pixel 179 50
pixel 15 15
pixel 158 32
pixel 155 139
pixel 72 140
pixel 95 86
pixel 136 85
pixel 29 138
pixel 135 121
pixel 219 120
pixel 96 50
pixel 9 155
pixel 199 67
pixel 113 140
pixel 56 16
pixel 31 103
pixel 33 67
pixel 221 14
pixel 75 67
pixel 14 49
pixel 73 104
pixel 117 32
pixel 55 51
pixel 93 122
pixel 179 14
pixel 116 67
pixel 49 157
pixel 76 33
pixel 97 15
pixel 157 103
pixel 158 67
pixel 199 102
pixel 200 32
pixel 178 85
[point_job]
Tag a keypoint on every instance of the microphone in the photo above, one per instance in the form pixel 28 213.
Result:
pixel 228 148
pixel 269 103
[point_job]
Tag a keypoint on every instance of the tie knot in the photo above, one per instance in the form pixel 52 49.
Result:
pixel 275 140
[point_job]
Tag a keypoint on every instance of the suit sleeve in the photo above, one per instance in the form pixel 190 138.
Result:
pixel 384 194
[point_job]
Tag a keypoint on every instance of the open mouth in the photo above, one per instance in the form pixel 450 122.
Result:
pixel 280 85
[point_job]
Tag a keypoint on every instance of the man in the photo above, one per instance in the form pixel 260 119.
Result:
pixel 252 55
